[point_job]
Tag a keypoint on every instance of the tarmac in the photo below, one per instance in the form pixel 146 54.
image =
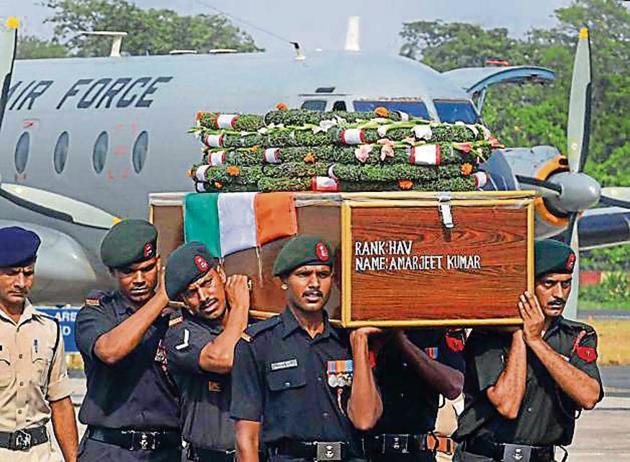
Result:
pixel 602 435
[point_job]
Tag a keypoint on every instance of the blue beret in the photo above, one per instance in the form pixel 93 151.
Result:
pixel 18 246
pixel 553 257
pixel 185 265
pixel 303 250
pixel 128 242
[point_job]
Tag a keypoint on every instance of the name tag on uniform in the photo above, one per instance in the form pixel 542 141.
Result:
pixel 284 365
pixel 214 387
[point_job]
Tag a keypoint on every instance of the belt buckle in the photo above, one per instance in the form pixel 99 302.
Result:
pixel 395 443
pixel 517 453
pixel 328 450
pixel 23 440
pixel 146 441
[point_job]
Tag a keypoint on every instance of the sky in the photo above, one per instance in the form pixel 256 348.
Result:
pixel 323 23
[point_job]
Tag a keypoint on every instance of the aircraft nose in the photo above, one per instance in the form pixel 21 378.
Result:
pixel 579 192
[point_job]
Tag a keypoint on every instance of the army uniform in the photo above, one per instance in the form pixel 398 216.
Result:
pixel 410 404
pixel 297 386
pixel 547 415
pixel 204 396
pixel 130 408
pixel 32 368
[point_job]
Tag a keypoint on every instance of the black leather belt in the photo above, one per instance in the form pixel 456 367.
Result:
pixel 395 443
pixel 23 440
pixel 509 452
pixel 197 454
pixel 314 450
pixel 135 440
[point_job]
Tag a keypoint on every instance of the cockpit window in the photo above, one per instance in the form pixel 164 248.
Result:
pixel 413 108
pixel 456 111
pixel 314 105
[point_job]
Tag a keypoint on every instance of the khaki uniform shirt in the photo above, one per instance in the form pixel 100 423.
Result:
pixel 32 369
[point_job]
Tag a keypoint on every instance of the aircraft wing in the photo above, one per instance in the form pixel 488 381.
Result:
pixel 476 80
pixel 604 227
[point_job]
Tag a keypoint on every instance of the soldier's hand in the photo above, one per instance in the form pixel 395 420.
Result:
pixel 237 292
pixel 533 317
pixel 161 286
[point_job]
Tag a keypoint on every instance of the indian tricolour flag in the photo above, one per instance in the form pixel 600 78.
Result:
pixel 230 222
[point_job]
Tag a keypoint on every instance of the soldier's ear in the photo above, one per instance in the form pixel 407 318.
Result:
pixel 221 273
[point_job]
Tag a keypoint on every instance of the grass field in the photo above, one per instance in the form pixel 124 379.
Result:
pixel 614 341
pixel 614 306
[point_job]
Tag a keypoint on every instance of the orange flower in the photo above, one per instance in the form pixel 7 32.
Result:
pixel 191 172
pixel 218 185
pixel 281 107
pixel 233 170
pixel 199 115
pixel 309 158
pixel 405 184
pixel 381 111
pixel 466 169
pixel 254 148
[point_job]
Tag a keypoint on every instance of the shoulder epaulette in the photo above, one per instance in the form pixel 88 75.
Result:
pixel 255 329
pixel 176 318
pixel 95 297
pixel 576 325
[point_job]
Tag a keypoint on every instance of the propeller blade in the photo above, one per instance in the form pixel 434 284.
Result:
pixel 570 309
pixel 617 192
pixel 8 41
pixel 612 202
pixel 57 207
pixel 542 187
pixel 578 126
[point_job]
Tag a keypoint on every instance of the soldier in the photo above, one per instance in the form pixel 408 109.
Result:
pixel 130 405
pixel 34 385
pixel 298 379
pixel 412 369
pixel 200 348
pixel 522 390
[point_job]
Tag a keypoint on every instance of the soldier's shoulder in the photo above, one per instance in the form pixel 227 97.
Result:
pixel 175 319
pixel 96 298
pixel 46 317
pixel 577 326
pixel 258 328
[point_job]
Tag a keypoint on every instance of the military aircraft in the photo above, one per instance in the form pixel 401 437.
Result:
pixel 84 141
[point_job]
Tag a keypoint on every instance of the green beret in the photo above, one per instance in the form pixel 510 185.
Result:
pixel 303 250
pixel 553 257
pixel 185 265
pixel 129 242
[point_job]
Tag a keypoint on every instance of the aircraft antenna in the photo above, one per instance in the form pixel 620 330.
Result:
pixel 116 42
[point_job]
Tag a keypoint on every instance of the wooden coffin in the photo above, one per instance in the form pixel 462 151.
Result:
pixel 403 259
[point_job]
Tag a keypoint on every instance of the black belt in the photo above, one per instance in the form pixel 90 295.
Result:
pixel 315 450
pixel 395 443
pixel 23 440
pixel 134 440
pixel 523 452
pixel 197 454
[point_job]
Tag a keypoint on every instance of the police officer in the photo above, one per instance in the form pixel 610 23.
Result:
pixel 300 381
pixel 523 389
pixel 34 384
pixel 200 348
pixel 412 369
pixel 130 405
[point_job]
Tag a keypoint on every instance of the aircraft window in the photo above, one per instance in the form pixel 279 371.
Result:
pixel 140 149
pixel 100 152
pixel 413 108
pixel 339 106
pixel 456 111
pixel 61 152
pixel 314 105
pixel 21 152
